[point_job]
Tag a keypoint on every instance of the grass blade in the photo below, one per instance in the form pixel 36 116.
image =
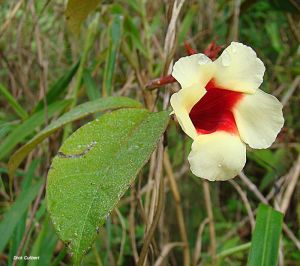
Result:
pixel 13 216
pixel 58 87
pixel 13 103
pixel 266 237
pixel 115 33
pixel 28 126
pixel 93 92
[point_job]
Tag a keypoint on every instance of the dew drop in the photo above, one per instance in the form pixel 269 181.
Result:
pixel 219 165
pixel 234 47
pixel 226 60
pixel 203 59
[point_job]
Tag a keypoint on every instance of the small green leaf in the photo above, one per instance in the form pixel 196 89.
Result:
pixel 13 103
pixel 19 133
pixel 15 213
pixel 77 11
pixel 58 87
pixel 186 24
pixel 115 34
pixel 43 245
pixel 266 237
pixel 92 90
pixel 94 168
pixel 80 111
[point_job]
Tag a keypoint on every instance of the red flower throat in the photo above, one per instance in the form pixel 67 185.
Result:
pixel 213 112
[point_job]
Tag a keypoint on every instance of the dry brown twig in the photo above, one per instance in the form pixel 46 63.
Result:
pixel 131 222
pixel 179 212
pixel 10 17
pixel 246 202
pixel 294 175
pixel 235 20
pixel 198 246
pixel 258 194
pixel 167 248
pixel 157 196
pixel 159 207
pixel 212 233
pixel 290 91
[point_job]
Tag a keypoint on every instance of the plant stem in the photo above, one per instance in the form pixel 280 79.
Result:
pixel 211 221
pixel 179 212
pixel 233 250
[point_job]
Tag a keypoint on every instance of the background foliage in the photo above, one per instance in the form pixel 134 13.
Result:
pixel 46 70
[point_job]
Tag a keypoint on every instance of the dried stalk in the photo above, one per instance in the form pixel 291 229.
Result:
pixel 179 212
pixel 294 174
pixel 258 194
pixel 198 246
pixel 213 246
pixel 167 248
pixel 244 198
pixel 159 208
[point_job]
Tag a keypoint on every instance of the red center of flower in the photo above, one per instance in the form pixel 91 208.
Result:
pixel 213 112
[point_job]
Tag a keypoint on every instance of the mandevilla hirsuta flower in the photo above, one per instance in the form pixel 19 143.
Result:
pixel 221 108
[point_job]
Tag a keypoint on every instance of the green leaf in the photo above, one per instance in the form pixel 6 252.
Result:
pixel 133 31
pixel 274 34
pixel 115 34
pixel 186 24
pixel 17 236
pixel 58 87
pixel 15 213
pixel 77 11
pixel 44 245
pixel 94 168
pixel 13 103
pixel 266 237
pixel 28 126
pixel 80 111
pixel 92 90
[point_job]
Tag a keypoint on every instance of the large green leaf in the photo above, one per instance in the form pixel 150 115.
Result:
pixel 94 168
pixel 266 237
pixel 28 126
pixel 78 112
pixel 15 213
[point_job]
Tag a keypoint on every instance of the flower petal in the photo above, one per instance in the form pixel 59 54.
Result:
pixel 259 119
pixel 218 156
pixel 239 69
pixel 193 69
pixel 182 102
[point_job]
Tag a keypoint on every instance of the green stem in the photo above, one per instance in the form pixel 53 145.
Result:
pixel 233 250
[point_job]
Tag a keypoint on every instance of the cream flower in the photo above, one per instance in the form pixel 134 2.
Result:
pixel 221 108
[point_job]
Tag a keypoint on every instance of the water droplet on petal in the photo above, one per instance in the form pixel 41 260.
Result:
pixel 203 59
pixel 234 47
pixel 226 60
pixel 219 165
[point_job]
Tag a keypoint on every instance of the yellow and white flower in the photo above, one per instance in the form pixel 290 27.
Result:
pixel 221 108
